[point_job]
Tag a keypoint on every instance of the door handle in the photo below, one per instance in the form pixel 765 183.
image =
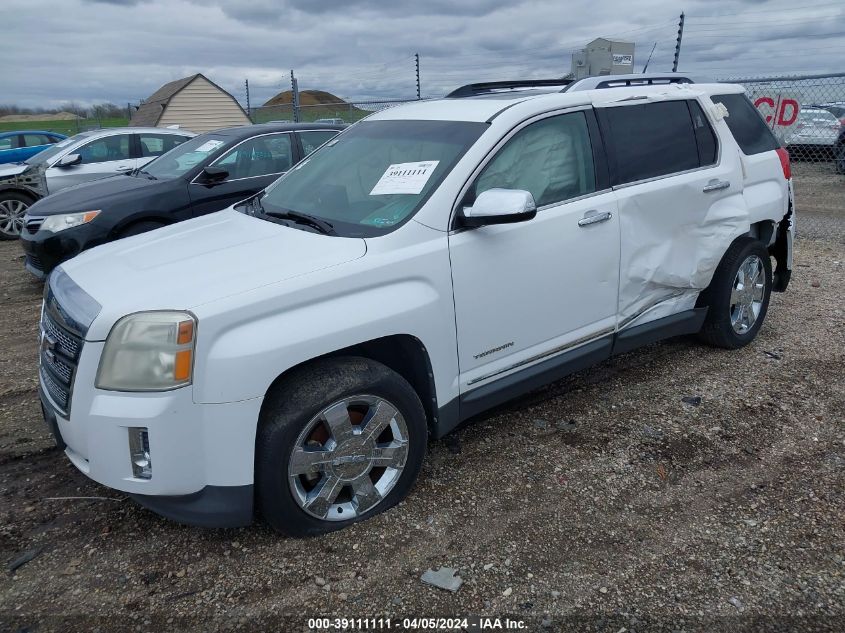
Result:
pixel 715 185
pixel 594 217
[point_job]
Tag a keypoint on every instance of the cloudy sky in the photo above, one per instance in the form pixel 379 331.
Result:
pixel 89 51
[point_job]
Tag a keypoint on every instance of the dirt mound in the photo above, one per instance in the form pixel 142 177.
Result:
pixel 306 98
pixel 17 118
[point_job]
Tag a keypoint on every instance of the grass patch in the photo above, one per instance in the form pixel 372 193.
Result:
pixel 68 128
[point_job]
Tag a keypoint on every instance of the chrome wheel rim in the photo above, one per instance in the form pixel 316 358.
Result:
pixel 747 294
pixel 11 216
pixel 348 458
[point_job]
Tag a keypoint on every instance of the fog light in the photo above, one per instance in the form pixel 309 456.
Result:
pixel 139 452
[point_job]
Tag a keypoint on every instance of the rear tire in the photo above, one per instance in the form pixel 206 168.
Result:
pixel 13 206
pixel 339 441
pixel 738 295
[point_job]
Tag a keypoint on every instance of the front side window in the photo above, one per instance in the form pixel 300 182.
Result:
pixel 313 140
pixel 375 175
pixel 158 144
pixel 7 142
pixel 259 156
pixel 34 140
pixel 50 153
pixel 105 149
pixel 552 159
pixel 650 140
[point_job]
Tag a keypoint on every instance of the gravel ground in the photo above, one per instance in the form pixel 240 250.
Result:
pixel 677 487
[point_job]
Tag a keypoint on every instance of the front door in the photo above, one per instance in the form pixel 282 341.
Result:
pixel 102 157
pixel 530 292
pixel 252 165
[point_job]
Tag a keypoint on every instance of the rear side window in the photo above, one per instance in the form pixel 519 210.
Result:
pixel 650 140
pixel 158 144
pixel 704 135
pixel 746 124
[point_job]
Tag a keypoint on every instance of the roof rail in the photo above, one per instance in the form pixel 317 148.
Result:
pixel 471 90
pixel 621 81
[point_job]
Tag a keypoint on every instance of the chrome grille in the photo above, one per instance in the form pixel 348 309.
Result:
pixel 58 393
pixel 67 343
pixel 59 355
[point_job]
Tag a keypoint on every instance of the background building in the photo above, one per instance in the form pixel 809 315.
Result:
pixel 193 103
pixel 603 57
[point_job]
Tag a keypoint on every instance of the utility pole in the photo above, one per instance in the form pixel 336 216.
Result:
pixel 248 111
pixel 678 44
pixel 128 110
pixel 294 88
pixel 417 58
pixel 645 68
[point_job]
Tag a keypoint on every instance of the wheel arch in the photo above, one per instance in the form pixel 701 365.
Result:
pixel 24 191
pixel 138 218
pixel 403 353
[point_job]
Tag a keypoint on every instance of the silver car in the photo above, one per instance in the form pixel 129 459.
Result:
pixel 815 128
pixel 86 156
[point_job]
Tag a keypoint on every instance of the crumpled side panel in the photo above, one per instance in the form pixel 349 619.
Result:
pixel 31 179
pixel 673 237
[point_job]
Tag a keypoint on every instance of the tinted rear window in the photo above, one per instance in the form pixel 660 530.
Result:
pixel 746 124
pixel 652 140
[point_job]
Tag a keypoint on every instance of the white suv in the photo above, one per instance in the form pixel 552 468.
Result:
pixel 294 353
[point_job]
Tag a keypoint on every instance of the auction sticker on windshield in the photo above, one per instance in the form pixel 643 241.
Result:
pixel 405 178
pixel 209 146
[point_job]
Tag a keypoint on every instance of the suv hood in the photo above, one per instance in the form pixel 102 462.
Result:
pixel 191 263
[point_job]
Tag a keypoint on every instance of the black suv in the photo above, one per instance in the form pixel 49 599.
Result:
pixel 206 173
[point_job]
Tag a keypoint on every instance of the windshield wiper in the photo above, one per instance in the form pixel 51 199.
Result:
pixel 326 228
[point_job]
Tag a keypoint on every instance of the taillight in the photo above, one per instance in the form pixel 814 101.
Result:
pixel 784 162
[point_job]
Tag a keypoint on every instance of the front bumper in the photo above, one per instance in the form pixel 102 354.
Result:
pixel 202 454
pixel 45 250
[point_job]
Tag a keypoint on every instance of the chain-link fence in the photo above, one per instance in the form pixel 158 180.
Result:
pixel 328 112
pixel 806 113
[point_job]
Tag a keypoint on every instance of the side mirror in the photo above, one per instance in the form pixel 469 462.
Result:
pixel 69 160
pixel 213 175
pixel 500 206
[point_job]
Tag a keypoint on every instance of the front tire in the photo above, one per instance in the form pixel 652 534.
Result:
pixel 339 441
pixel 738 295
pixel 13 206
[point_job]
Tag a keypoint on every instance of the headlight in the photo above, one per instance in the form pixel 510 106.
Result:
pixel 56 223
pixel 148 351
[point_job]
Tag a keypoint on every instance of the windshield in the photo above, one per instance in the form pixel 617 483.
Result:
pixel 183 158
pixel 373 176
pixel 54 150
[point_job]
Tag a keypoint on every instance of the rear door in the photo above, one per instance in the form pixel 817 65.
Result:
pixel 101 157
pixel 680 203
pixel 252 165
